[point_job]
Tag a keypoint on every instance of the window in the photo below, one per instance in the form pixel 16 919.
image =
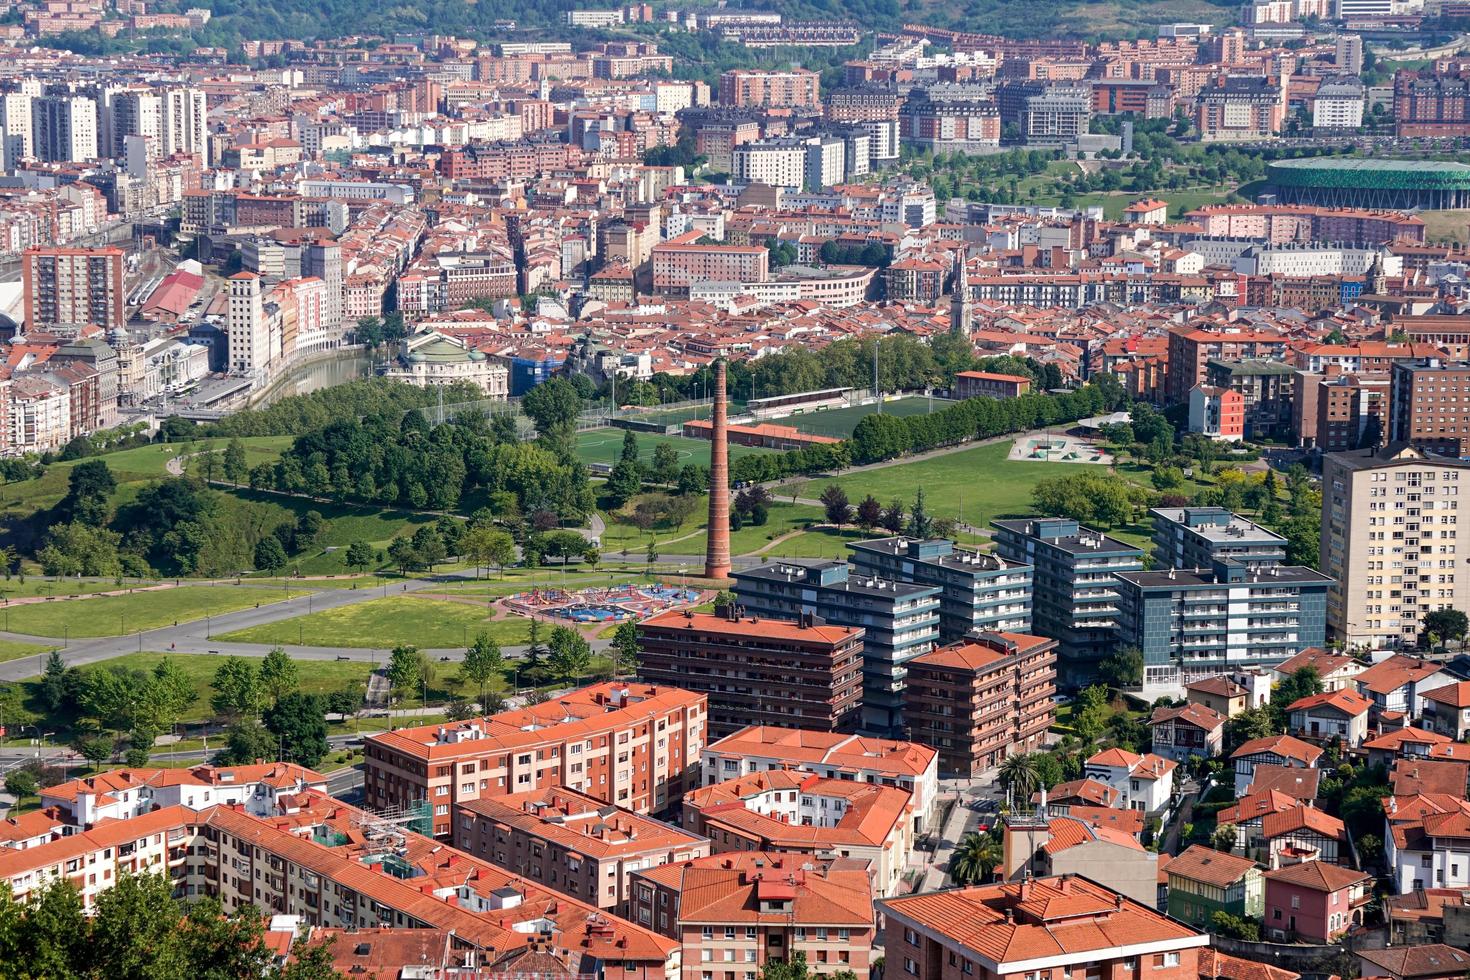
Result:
pixel 910 967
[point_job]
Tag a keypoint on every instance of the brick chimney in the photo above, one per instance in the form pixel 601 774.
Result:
pixel 717 553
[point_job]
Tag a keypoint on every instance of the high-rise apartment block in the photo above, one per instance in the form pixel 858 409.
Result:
pixel 788 673
pixel 977 590
pixel 64 128
pixel 1074 586
pixel 1196 537
pixel 790 89
pixel 899 620
pixel 982 699
pixel 1429 405
pixel 69 288
pixel 1195 623
pixel 1390 542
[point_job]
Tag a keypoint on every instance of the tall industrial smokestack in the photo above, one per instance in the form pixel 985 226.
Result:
pixel 717 553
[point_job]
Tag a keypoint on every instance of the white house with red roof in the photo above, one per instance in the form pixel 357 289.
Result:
pixel 1331 714
pixel 121 794
pixel 1276 750
pixel 1399 683
pixel 1335 670
pixel 1187 730
pixel 1447 710
pixel 1426 841
pixel 1143 782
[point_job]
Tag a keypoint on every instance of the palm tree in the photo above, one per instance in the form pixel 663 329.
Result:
pixel 1018 774
pixel 973 859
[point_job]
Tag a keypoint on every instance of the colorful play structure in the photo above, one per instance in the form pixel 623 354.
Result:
pixel 601 605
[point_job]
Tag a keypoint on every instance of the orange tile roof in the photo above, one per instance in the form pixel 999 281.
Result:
pixel 1302 817
pixel 770 629
pixel 1395 740
pixel 1455 695
pixel 1345 702
pixel 1323 662
pixel 1255 806
pixel 806 747
pixel 1215 965
pixel 724 888
pixel 1283 745
pixel 1292 781
pixel 586 711
pixel 1068 832
pixel 1092 790
pixel 581 823
pixel 1201 717
pixel 1395 672
pixel 1209 866
pixel 1428 960
pixel 1067 916
pixel 1318 875
pixel 869 818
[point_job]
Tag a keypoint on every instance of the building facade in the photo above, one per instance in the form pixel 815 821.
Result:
pixel 786 673
pixel 982 699
pixel 977 590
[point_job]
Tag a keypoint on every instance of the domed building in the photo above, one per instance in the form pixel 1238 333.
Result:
pixel 435 358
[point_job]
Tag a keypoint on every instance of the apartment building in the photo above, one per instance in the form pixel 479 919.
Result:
pixel 681 262
pixel 1241 107
pixel 795 88
pixel 1075 587
pixel 571 842
pixel 909 766
pixel 122 794
pixel 801 813
pixel 734 912
pixel 66 289
pixel 900 621
pixel 797 673
pixel 1191 348
pixel 1192 623
pixel 982 699
pixel 339 867
pixel 1389 541
pixel 1429 406
pixel 632 745
pixel 1196 537
pixel 977 590
pixel 1038 926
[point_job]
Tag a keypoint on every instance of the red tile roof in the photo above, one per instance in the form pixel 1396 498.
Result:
pixel 1318 876
pixel 1209 866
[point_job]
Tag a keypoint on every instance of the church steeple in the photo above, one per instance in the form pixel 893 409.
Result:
pixel 961 310
pixel 1377 279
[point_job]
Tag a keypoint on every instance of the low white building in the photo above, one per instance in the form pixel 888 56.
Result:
pixel 1143 782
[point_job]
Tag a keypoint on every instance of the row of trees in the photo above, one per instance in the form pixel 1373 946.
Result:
pixel 136 930
pixel 880 437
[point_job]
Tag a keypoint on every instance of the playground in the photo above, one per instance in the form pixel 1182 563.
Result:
pixel 1058 449
pixel 601 605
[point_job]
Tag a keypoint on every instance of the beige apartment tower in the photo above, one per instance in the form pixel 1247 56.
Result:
pixel 1390 542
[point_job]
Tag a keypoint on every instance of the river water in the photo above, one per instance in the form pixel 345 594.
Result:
pixel 320 372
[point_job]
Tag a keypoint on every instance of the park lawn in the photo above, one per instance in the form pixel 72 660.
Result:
pixel 14 650
pixel 822 542
pixel 606 446
pixel 39 585
pixel 549 576
pixel 783 518
pixel 386 623
pixel 977 485
pixel 118 615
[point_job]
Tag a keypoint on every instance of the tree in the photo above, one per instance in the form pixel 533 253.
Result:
pixel 245 742
pixel 237 689
pixel 1018 775
pixel 405 670
pixel 1224 838
pixel 624 482
pixel 278 675
pixel 299 722
pixel 90 486
pixel 1123 668
pixel 920 525
pixel 1447 624
pixel 485 545
pixel 893 514
pixel 625 648
pixel 1250 724
pixel 651 553
pixel 974 859
pixel 94 748
pixel 361 556
pixel 21 783
pixel 796 969
pixel 236 469
pixel 57 683
pixel 570 655
pixel 270 556
pixel 835 504
pixel 1234 927
pixel 869 513
pixel 665 467
pixel 483 662
pixel 429 546
pixel 403 554
pixel 554 407
pixel 171 690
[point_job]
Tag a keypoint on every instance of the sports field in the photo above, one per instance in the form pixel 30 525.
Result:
pixel 839 422
pixel 606 446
